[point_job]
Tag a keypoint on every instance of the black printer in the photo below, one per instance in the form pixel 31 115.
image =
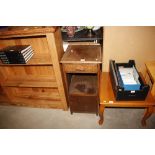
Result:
pixel 126 81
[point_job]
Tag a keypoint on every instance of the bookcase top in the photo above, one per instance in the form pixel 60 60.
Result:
pixel 19 31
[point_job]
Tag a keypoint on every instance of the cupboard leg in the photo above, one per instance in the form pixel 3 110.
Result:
pixel 147 114
pixel 101 112
pixel 71 112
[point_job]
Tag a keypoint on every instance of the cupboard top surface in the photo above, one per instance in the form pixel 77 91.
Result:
pixel 151 69
pixel 82 54
pixel 17 31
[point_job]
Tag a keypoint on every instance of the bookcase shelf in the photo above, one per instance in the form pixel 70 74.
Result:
pixel 27 64
pixel 39 82
pixel 24 83
pixel 42 54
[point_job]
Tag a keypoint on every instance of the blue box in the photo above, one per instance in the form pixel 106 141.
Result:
pixel 132 87
pixel 130 76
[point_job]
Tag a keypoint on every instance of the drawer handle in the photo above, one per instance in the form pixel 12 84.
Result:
pixel 80 69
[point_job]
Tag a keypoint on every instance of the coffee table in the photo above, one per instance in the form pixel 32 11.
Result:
pixel 107 99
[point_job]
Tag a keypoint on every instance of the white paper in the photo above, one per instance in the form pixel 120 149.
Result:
pixel 65 45
pixel 128 75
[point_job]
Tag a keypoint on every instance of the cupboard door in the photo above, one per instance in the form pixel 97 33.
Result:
pixel 88 104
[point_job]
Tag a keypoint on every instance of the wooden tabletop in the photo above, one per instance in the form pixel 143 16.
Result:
pixel 150 66
pixel 82 54
pixel 17 31
pixel 108 99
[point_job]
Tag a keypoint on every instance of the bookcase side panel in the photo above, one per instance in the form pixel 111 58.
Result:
pixel 55 46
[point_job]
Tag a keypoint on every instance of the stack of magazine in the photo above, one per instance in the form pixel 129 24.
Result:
pixel 19 54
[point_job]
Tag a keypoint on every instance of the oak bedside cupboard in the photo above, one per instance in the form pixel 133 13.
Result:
pixel 38 83
pixel 81 68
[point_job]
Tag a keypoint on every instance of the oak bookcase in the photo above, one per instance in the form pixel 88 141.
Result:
pixel 38 83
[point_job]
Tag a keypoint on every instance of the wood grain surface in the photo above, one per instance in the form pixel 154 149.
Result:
pixel 20 31
pixel 82 54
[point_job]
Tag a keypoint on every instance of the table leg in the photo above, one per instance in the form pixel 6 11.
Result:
pixel 147 114
pixel 101 112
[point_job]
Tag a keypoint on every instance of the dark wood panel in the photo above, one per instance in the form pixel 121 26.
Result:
pixel 83 94
pixel 86 104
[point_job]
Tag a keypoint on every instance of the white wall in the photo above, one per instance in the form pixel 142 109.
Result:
pixel 126 42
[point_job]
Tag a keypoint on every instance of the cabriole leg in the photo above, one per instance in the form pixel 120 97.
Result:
pixel 101 113
pixel 147 114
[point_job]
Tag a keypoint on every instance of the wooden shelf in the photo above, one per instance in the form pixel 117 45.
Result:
pixel 33 62
pixel 32 76
pixel 24 83
pixel 42 54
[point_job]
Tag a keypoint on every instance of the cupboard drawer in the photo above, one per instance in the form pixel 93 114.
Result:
pixel 80 68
